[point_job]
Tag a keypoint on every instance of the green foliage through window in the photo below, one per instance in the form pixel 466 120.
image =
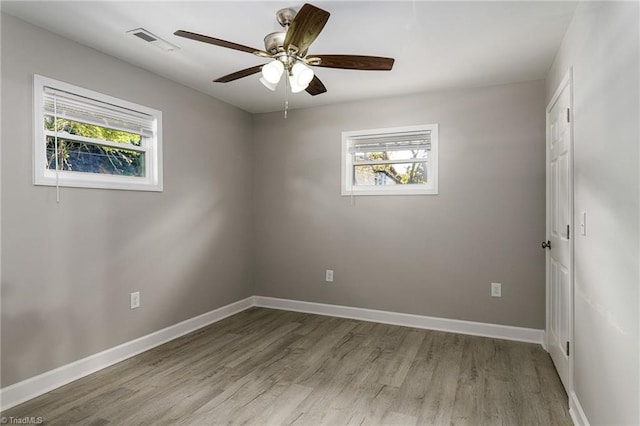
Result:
pixel 92 157
pixel 390 167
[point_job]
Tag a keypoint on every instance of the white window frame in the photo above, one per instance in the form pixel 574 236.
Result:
pixel 351 137
pixel 151 146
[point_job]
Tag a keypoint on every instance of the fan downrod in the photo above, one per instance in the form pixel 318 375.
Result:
pixel 273 42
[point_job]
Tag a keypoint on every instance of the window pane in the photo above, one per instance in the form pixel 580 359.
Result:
pixel 91 131
pixel 359 157
pixel 88 158
pixel 390 174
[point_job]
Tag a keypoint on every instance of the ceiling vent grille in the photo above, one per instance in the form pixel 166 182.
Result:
pixel 150 38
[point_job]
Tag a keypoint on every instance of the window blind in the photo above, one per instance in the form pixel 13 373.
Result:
pixel 392 142
pixel 97 113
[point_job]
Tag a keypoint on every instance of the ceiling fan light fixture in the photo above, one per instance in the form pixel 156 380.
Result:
pixel 272 72
pixel 302 74
pixel 268 85
pixel 288 50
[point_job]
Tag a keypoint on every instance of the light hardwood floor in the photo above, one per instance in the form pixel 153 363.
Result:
pixel 265 366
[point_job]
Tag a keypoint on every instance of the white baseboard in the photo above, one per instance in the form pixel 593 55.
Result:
pixel 576 412
pixel 45 382
pixel 497 331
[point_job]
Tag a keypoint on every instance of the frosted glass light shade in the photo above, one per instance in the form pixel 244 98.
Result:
pixel 270 86
pixel 295 87
pixel 273 71
pixel 302 74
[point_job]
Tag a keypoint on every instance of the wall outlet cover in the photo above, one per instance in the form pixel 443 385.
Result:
pixel 135 300
pixel 496 290
pixel 329 276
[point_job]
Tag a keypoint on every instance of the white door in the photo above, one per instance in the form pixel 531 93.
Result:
pixel 558 244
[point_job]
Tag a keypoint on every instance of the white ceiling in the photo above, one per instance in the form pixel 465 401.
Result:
pixel 437 45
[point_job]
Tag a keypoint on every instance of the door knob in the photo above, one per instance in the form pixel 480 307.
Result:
pixel 546 244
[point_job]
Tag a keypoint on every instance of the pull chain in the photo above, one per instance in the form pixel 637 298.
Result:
pixel 286 96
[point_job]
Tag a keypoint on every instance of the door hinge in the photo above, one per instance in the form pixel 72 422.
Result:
pixel 568 115
pixel 567 348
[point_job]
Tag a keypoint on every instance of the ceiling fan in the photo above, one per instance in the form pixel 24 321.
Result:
pixel 288 51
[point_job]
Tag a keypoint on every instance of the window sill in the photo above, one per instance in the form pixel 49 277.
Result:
pixel 347 192
pixel 89 180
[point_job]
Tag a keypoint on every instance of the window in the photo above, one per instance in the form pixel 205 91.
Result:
pixel 87 139
pixel 394 161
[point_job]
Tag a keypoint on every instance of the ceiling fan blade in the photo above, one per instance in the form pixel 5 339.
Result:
pixel 239 74
pixel 221 43
pixel 315 87
pixel 352 62
pixel 304 28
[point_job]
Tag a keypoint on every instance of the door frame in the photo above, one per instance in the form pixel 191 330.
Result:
pixel 566 80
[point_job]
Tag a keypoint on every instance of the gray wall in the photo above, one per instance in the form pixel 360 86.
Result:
pixel 428 255
pixel 68 268
pixel 602 45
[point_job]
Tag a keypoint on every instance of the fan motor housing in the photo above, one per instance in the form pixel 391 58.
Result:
pixel 273 42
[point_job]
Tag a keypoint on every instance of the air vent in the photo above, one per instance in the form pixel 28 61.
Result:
pixel 145 35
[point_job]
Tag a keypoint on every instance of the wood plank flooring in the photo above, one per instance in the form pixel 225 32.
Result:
pixel 265 366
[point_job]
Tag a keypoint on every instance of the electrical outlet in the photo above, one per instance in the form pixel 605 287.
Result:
pixel 329 276
pixel 135 300
pixel 496 290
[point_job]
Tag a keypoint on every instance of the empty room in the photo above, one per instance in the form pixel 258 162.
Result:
pixel 339 212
